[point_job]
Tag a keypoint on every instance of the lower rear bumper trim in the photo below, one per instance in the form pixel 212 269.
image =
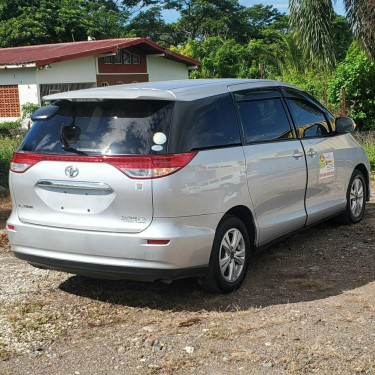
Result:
pixel 101 271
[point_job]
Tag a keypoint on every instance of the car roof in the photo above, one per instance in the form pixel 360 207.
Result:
pixel 184 90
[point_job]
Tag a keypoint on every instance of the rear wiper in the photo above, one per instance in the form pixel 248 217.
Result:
pixel 65 143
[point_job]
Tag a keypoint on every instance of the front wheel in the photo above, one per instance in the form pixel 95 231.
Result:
pixel 356 199
pixel 229 257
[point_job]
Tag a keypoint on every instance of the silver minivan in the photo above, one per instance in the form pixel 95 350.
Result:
pixel 159 181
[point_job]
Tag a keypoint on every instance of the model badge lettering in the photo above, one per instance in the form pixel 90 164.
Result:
pixel 71 171
pixel 24 206
pixel 133 219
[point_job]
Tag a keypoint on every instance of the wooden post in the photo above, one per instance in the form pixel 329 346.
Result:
pixel 325 98
pixel 343 101
pixel 262 71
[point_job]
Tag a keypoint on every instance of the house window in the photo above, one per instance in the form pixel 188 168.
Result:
pixel 136 59
pixel 104 84
pixel 117 58
pixel 9 101
pixel 108 60
pixel 126 57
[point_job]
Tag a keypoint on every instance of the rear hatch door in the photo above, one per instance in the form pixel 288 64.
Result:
pixel 75 161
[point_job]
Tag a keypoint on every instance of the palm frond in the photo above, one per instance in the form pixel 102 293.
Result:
pixel 361 15
pixel 311 22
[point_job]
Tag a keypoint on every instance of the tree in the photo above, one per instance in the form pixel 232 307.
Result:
pixel 201 19
pixel 357 74
pixel 27 22
pixel 312 23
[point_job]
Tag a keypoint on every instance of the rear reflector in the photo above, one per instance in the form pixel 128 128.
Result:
pixel 11 227
pixel 136 167
pixel 158 242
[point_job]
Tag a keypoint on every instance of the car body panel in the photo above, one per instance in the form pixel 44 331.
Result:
pixel 213 182
pixel 190 243
pixel 127 207
pixel 326 187
pixel 277 183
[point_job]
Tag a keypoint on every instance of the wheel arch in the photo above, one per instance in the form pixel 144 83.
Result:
pixel 246 216
pixel 362 168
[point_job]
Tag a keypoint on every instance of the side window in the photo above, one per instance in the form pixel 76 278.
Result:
pixel 310 120
pixel 205 123
pixel 264 120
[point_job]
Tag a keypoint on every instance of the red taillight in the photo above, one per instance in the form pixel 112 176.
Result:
pixel 137 167
pixel 151 166
pixel 158 242
pixel 22 162
pixel 11 227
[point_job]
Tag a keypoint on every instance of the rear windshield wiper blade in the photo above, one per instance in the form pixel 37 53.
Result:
pixel 74 150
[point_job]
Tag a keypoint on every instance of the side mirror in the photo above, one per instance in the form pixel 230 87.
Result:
pixel 344 125
pixel 44 113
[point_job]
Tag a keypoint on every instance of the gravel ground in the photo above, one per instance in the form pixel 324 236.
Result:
pixel 307 306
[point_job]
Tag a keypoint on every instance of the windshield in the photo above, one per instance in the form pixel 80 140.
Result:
pixel 114 127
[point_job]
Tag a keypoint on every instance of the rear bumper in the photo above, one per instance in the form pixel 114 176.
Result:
pixel 100 271
pixel 119 255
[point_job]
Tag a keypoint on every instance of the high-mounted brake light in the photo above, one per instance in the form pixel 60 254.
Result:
pixel 136 167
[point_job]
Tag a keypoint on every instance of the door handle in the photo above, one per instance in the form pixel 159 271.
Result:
pixel 312 153
pixel 297 154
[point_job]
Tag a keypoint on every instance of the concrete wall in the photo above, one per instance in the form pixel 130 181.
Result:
pixel 72 71
pixel 27 88
pixel 17 76
pixel 161 69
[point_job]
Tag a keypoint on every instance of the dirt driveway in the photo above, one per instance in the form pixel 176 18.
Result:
pixel 307 306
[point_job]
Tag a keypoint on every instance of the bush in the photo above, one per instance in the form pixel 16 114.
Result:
pixel 10 125
pixel 28 109
pixel 357 74
pixel 7 146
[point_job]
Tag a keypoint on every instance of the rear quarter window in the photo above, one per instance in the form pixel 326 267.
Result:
pixel 204 124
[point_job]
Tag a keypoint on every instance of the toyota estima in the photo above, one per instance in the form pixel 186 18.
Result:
pixel 159 181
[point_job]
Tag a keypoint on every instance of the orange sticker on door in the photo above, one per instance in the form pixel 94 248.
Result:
pixel 326 165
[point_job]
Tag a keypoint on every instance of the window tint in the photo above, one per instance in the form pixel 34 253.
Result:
pixel 115 127
pixel 310 120
pixel 264 120
pixel 204 123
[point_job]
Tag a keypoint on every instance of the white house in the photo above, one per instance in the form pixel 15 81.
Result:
pixel 31 72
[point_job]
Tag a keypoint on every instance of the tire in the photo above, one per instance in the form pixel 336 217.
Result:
pixel 229 258
pixel 356 199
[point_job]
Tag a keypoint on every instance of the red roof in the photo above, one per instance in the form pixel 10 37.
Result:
pixel 45 54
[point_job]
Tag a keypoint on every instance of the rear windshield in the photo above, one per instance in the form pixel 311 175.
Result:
pixel 114 127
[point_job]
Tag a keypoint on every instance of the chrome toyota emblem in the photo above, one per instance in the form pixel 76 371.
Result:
pixel 71 171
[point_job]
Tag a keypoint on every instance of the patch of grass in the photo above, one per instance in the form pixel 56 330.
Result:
pixel 7 146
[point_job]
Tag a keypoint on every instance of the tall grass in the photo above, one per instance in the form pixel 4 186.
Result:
pixel 367 140
pixel 7 146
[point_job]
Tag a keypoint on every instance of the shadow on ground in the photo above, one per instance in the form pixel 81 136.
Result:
pixel 317 263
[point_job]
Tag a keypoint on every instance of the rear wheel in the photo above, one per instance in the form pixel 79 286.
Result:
pixel 356 199
pixel 229 257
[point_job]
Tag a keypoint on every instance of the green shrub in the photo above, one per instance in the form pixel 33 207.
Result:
pixel 28 109
pixel 7 146
pixel 357 74
pixel 10 125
